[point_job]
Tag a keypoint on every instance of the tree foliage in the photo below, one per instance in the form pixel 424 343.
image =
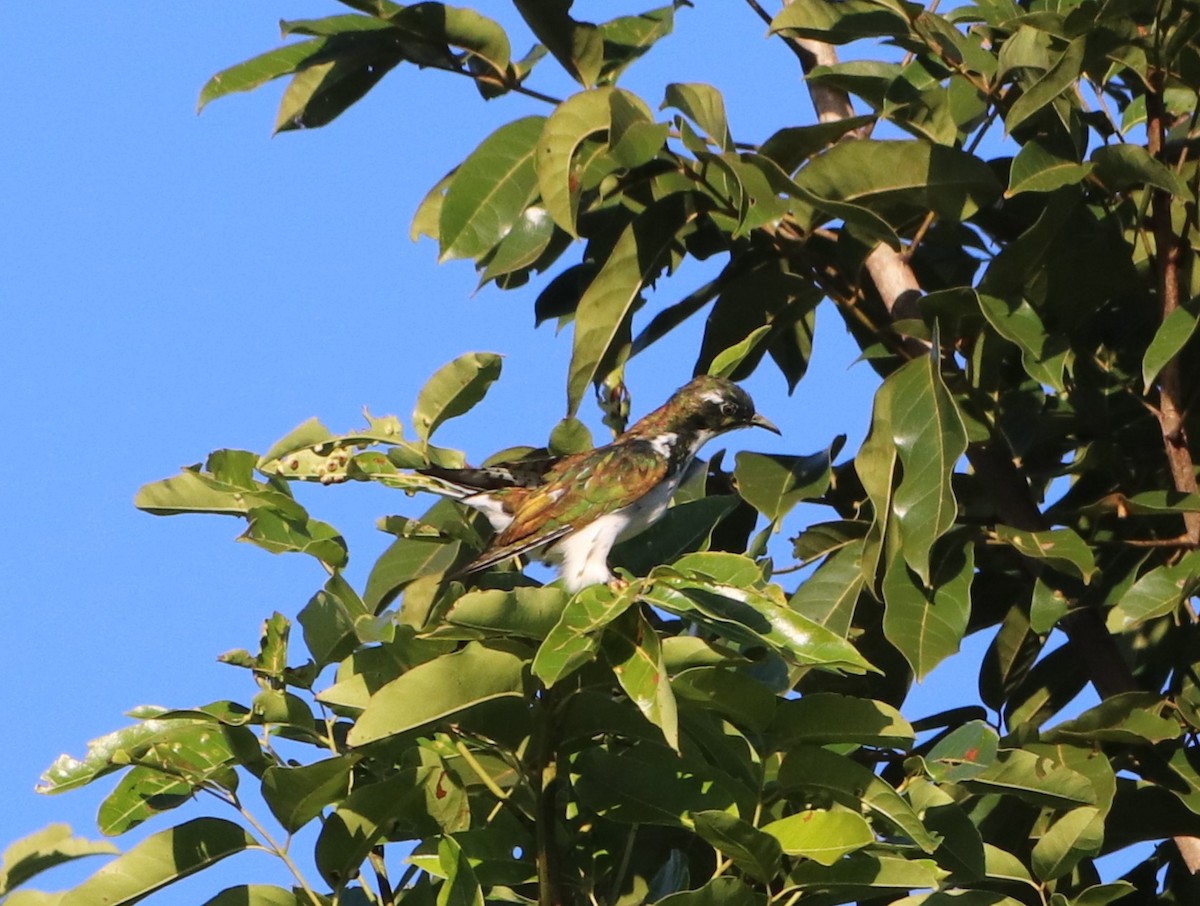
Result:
pixel 716 732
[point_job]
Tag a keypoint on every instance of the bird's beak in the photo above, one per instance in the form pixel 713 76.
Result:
pixel 761 422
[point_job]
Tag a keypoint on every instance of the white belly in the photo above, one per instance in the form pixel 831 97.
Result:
pixel 583 555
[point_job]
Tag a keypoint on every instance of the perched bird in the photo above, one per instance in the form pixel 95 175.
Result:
pixel 570 511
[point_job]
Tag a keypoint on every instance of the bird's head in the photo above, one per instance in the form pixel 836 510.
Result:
pixel 707 406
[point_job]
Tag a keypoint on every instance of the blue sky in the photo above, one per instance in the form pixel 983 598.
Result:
pixel 176 284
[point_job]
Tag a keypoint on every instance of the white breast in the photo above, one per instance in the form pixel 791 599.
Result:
pixel 583 555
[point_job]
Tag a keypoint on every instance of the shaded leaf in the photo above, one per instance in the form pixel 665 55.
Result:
pixel 439 688
pixel 1077 834
pixel 575 637
pixel 42 850
pixel 1123 166
pixel 259 70
pixel 578 46
pixel 160 860
pixel 633 650
pixel 1057 79
pixel 1037 169
pixel 1170 338
pixel 754 852
pixel 705 107
pixel 1062 549
pixel 773 484
pixel 1035 779
pixel 822 718
pixel 297 795
pixel 852 785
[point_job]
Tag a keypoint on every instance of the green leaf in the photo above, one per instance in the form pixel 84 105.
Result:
pixel 140 795
pixel 439 688
pixel 1103 894
pixel 42 850
pixel 1043 354
pixel 740 698
pixel 575 637
pixel 1037 169
pixel 814 769
pixel 454 389
pixel 774 484
pixel 1128 718
pixel 279 534
pixel 830 595
pixel 1126 166
pixel 461 887
pixel 965 752
pixel 927 622
pixel 633 650
pixel 1076 835
pixel 647 784
pixel 330 619
pixel 298 795
pixel 326 86
pixel 722 891
pixel 754 852
pixel 440 24
pixel 1060 549
pixel 490 190
pixel 160 860
pixel 259 70
pixel 860 876
pixel 1057 79
pixel 793 145
pixel 1035 779
pixel 821 718
pixel 332 25
pixel 741 614
pixel 626 38
pixel 529 613
pixel 415 802
pixel 705 107
pixel 821 835
pixel 900 179
pixel 572 121
pixel 255 895
pixel 930 438
pixel 728 360
pixel 226 487
pixel 578 46
pixel 843 22
pixel 1170 338
pixel 637 257
pixel 1159 592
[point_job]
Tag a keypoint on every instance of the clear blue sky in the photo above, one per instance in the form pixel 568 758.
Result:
pixel 175 284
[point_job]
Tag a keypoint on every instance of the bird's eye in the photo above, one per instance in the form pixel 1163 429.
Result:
pixel 729 409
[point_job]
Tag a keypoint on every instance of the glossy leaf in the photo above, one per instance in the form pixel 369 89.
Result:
pixel 930 438
pixel 739 697
pixel 160 860
pixel 1061 549
pixel 142 793
pixel 821 835
pixel 575 637
pixel 1123 166
pixel 965 752
pixel 633 650
pixel 1128 718
pixel 862 875
pixel 490 190
pixel 774 484
pixel 440 688
pixel 1159 592
pixel 927 622
pixel 852 785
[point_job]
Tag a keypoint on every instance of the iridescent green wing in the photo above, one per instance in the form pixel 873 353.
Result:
pixel 595 484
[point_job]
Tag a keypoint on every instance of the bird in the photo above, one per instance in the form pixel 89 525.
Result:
pixel 569 511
